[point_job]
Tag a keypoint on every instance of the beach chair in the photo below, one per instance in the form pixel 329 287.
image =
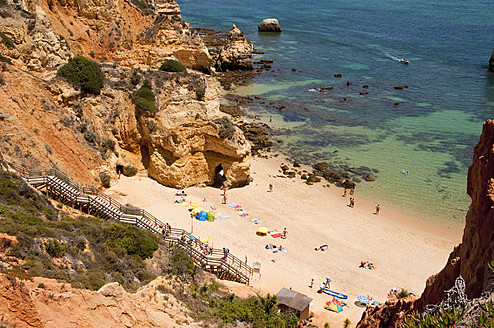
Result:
pixel 256 267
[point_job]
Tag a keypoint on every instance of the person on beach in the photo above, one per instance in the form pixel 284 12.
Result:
pixel 311 282
pixel 344 193
pixel 377 209
pixel 270 119
pixel 224 198
pixel 352 191
pixel 352 202
pixel 270 187
pixel 284 233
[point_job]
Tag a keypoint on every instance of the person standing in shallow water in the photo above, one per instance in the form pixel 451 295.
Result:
pixel 270 187
pixel 377 210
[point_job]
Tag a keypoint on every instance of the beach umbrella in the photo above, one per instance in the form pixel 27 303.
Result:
pixel 210 217
pixel 334 305
pixel 202 216
pixel 363 299
pixel 263 230
pixel 195 204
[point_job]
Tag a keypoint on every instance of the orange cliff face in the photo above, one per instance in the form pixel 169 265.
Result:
pixel 119 31
pixel 470 258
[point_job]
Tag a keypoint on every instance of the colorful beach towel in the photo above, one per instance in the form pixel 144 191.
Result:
pixel 256 221
pixel 232 205
pixel 222 217
pixel 277 235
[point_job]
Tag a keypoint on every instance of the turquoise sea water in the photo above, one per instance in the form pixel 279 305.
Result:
pixel 430 134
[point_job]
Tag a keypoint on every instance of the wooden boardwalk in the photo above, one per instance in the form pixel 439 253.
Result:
pixel 94 202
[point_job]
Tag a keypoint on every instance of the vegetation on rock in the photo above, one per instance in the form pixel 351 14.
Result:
pixel 144 98
pixel 7 41
pixel 226 129
pixel 172 66
pixel 130 171
pixel 83 73
pixel 89 246
pixel 133 241
pixel 105 179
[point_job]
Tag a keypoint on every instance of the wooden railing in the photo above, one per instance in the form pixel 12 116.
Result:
pixel 215 260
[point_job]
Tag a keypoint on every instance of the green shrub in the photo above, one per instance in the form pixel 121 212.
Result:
pixel 172 66
pixel 130 171
pixel 5 60
pixel 83 73
pixel 132 239
pixel 200 93
pixel 226 129
pixel 182 264
pixel 108 144
pixel 105 179
pixel 56 248
pixel 144 98
pixel 403 294
pixel 7 41
pixel 90 137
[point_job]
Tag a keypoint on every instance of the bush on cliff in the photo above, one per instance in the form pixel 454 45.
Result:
pixel 134 241
pixel 226 129
pixel 172 66
pixel 130 171
pixel 83 73
pixel 144 98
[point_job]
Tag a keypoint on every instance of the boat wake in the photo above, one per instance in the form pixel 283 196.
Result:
pixel 391 56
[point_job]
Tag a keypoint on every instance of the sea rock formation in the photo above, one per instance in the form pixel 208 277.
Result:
pixel 471 257
pixel 236 52
pixel 491 62
pixel 269 25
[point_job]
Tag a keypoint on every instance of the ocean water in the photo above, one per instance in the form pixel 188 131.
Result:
pixel 430 134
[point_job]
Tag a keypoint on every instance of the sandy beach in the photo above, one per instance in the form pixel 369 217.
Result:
pixel 405 251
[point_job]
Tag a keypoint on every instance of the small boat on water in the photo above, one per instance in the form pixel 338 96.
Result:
pixel 404 61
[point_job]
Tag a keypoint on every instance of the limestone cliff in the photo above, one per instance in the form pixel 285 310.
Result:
pixel 470 258
pixel 139 32
pixel 44 303
pixel 47 122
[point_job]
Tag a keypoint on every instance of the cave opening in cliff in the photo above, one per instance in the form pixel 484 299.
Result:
pixel 219 174
pixel 145 158
pixel 119 169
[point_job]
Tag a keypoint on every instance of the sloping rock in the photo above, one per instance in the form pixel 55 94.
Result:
pixel 120 31
pixel 269 25
pixel 236 53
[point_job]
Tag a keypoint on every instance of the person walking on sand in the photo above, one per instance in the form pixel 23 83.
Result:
pixel 352 202
pixel 311 282
pixel 224 198
pixel 377 210
pixel 344 193
pixel 352 191
pixel 270 187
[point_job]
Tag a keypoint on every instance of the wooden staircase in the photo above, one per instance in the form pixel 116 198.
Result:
pixel 91 200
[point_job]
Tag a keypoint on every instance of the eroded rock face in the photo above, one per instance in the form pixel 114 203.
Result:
pixel 178 145
pixel 269 25
pixel 35 45
pixel 470 258
pixel 119 31
pixel 236 53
